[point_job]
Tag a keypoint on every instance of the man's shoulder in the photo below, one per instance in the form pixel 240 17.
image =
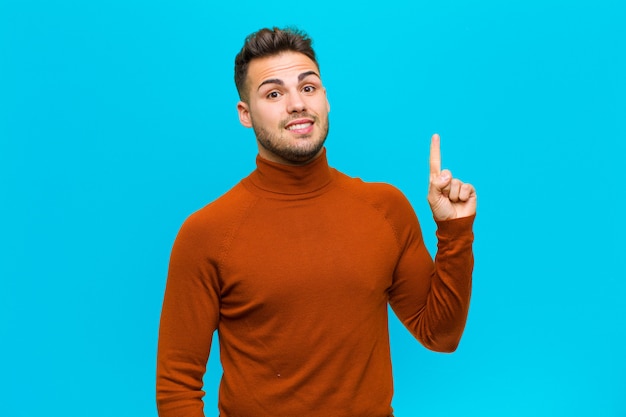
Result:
pixel 220 212
pixel 378 193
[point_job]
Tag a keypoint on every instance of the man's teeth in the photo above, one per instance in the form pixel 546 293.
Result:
pixel 299 126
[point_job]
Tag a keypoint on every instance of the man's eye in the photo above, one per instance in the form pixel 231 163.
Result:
pixel 308 89
pixel 273 94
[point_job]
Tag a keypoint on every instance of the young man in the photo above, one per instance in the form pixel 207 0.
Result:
pixel 295 266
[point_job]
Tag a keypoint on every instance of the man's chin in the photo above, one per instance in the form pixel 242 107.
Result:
pixel 303 157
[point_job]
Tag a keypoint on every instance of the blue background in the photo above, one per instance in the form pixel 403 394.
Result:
pixel 117 120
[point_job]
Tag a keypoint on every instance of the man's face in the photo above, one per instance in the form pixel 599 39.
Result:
pixel 287 108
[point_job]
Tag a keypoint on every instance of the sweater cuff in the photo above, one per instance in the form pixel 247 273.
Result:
pixel 456 227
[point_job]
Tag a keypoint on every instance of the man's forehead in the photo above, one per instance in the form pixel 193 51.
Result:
pixel 286 66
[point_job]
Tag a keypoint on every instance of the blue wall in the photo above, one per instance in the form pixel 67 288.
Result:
pixel 117 120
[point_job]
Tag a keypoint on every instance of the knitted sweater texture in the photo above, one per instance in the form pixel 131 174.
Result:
pixel 295 267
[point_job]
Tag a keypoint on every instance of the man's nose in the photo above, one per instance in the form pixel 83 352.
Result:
pixel 295 103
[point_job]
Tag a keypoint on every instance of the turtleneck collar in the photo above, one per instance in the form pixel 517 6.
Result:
pixel 291 179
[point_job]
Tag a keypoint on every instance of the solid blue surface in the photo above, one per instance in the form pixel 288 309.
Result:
pixel 118 119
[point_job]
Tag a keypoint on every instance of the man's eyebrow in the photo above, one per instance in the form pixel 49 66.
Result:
pixel 271 81
pixel 281 82
pixel 306 74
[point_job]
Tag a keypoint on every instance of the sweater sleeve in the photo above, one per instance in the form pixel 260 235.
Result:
pixel 189 317
pixel 432 298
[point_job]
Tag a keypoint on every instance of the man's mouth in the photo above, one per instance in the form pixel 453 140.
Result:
pixel 300 126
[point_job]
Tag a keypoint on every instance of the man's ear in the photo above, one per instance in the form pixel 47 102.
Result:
pixel 244 114
pixel 327 102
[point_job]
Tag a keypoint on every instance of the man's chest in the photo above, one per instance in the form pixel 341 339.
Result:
pixel 283 256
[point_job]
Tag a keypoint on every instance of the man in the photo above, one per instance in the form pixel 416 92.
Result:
pixel 296 265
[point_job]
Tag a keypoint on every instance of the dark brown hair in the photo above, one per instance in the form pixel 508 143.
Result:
pixel 268 42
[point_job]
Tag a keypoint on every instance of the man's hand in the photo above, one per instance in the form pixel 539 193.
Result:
pixel 449 198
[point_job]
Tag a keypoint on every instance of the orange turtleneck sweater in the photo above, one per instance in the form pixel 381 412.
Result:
pixel 294 267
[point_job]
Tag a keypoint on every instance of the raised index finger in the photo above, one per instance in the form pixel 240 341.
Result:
pixel 435 155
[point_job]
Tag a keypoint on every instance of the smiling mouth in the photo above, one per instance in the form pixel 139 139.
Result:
pixel 299 126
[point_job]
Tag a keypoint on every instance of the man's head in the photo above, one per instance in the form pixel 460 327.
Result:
pixel 282 96
pixel 267 42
